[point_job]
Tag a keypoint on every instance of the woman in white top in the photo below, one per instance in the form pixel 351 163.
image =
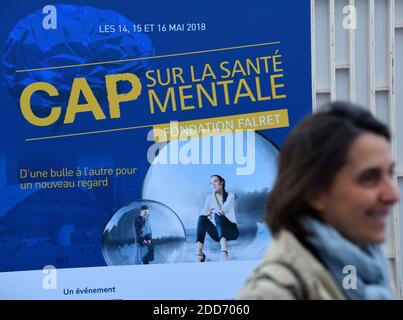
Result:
pixel 217 218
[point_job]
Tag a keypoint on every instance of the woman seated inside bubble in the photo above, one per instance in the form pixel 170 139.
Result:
pixel 217 218
pixel 328 210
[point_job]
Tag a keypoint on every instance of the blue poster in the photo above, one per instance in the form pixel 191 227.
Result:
pixel 139 142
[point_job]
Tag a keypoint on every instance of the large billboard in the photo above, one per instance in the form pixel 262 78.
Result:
pixel 139 141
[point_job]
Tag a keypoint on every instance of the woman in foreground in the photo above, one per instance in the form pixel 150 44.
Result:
pixel 328 211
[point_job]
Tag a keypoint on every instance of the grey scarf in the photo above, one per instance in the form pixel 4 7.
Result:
pixel 336 252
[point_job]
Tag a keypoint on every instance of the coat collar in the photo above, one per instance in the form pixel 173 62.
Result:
pixel 286 248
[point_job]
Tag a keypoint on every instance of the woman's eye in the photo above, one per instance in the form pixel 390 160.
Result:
pixel 369 178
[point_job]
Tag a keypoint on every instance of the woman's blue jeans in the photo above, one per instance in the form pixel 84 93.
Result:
pixel 223 228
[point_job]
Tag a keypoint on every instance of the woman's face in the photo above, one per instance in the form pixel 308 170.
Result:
pixel 215 182
pixel 362 193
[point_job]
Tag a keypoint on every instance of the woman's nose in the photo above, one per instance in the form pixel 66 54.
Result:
pixel 390 192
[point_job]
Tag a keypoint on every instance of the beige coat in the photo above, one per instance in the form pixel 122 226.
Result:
pixel 289 271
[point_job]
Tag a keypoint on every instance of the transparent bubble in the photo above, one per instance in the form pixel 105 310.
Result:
pixel 168 234
pixel 184 186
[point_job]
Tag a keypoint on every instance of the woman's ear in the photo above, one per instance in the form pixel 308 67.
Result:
pixel 318 202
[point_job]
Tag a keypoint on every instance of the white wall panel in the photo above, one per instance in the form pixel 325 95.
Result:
pixel 382 106
pixel 342 89
pixel 322 50
pixel 399 12
pixel 399 96
pixel 361 40
pixel 381 43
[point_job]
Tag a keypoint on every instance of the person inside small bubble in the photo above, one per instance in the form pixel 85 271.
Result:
pixel 144 250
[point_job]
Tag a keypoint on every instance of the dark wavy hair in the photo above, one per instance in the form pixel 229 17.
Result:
pixel 224 192
pixel 311 157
